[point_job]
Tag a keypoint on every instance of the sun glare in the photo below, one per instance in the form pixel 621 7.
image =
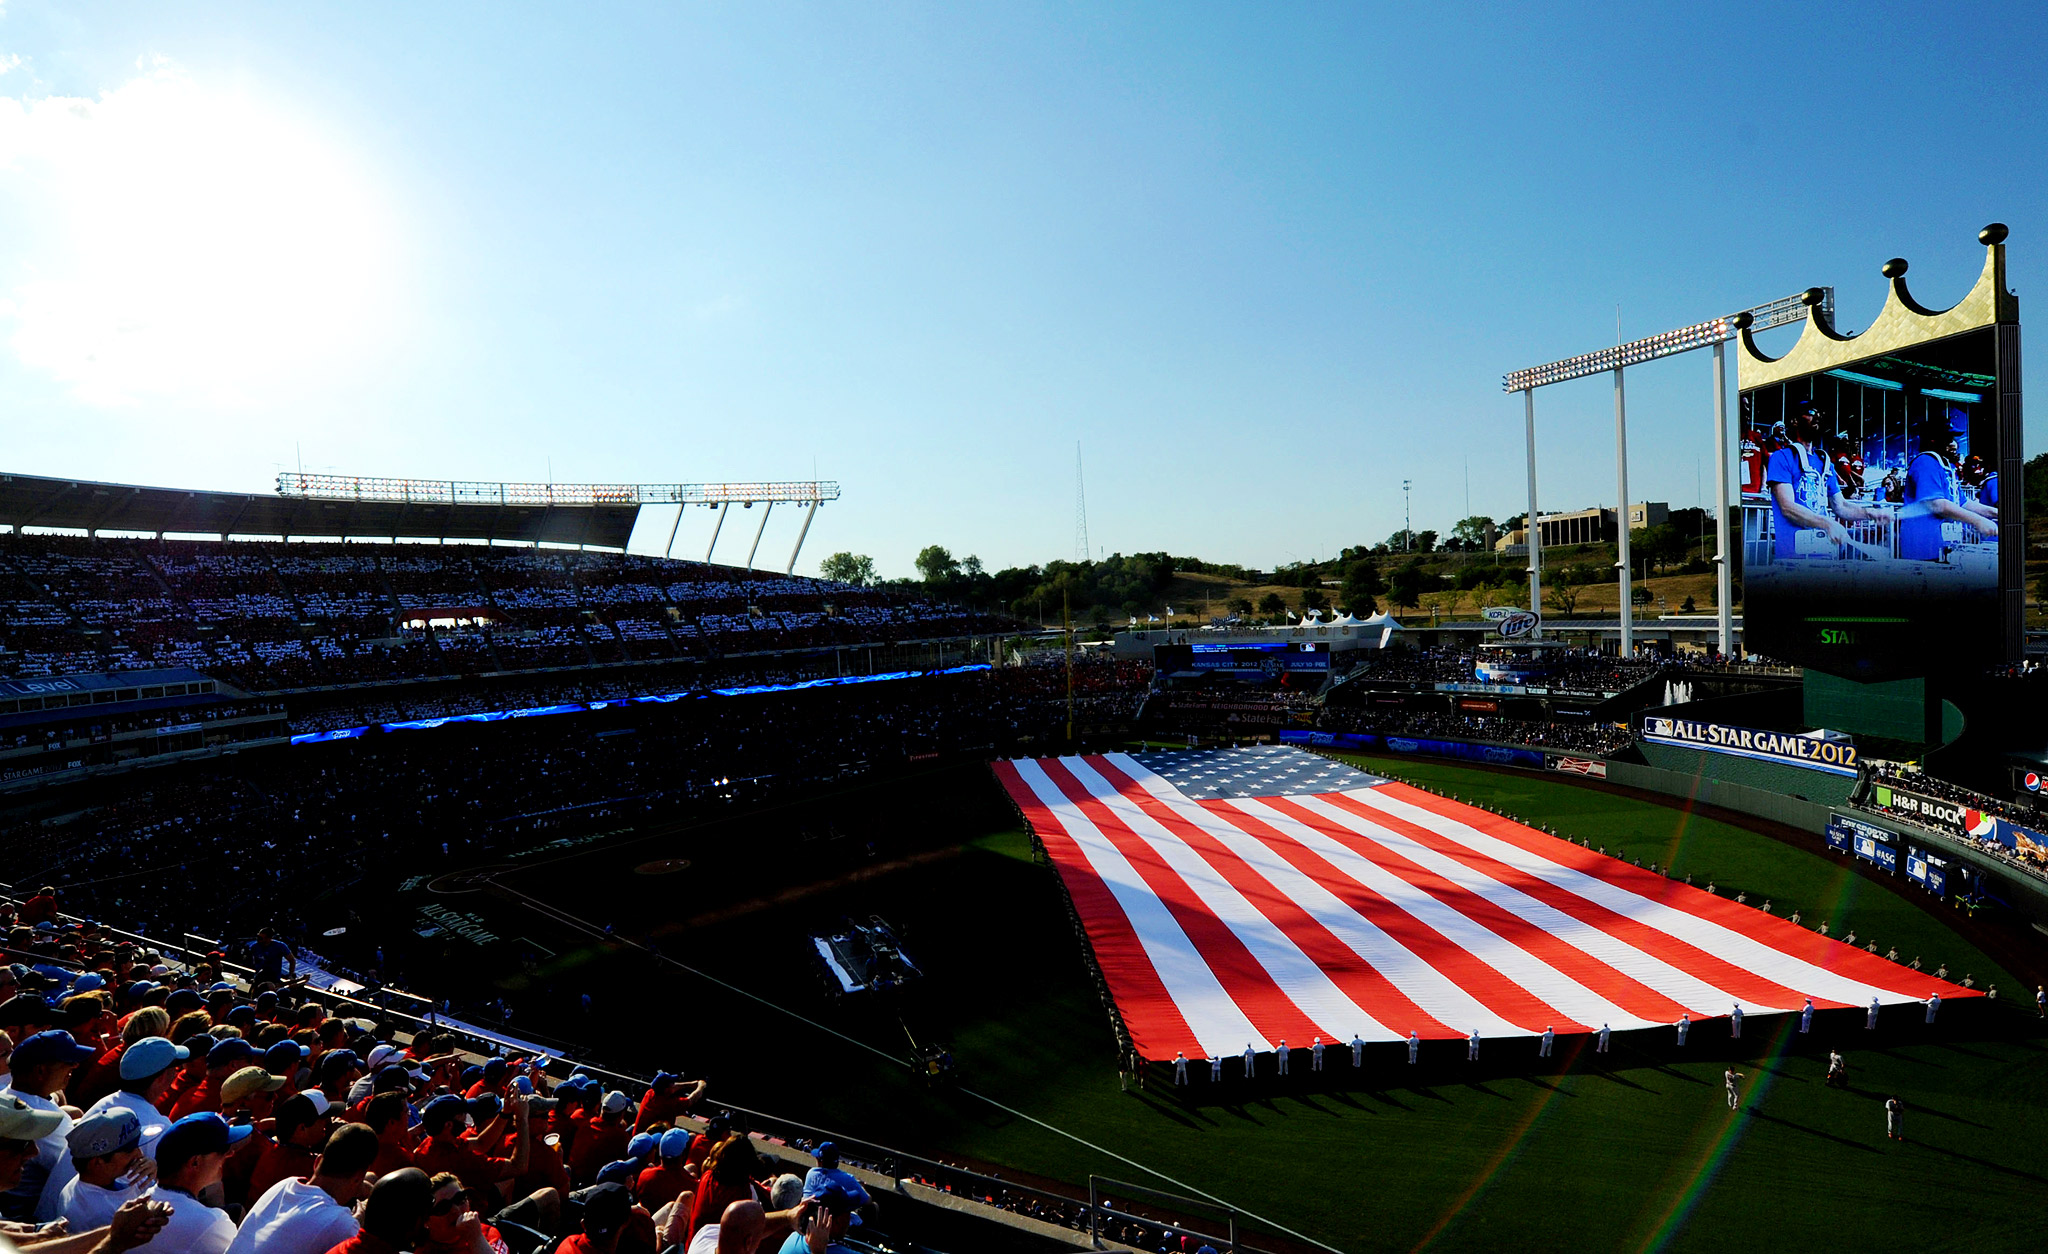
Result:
pixel 186 243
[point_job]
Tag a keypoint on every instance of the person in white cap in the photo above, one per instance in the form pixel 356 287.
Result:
pixel 1180 1067
pixel 1806 1017
pixel 106 1151
pixel 1251 1058
pixel 1605 1033
pixel 1684 1026
pixel 149 1067
pixel 1357 1050
pixel 1870 1020
pixel 1315 1055
pixel 1472 1046
pixel 1933 1007
pixel 1735 1023
pixel 1729 1077
pixel 1282 1055
pixel 1549 1039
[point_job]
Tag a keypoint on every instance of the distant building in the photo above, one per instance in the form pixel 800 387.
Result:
pixel 1584 526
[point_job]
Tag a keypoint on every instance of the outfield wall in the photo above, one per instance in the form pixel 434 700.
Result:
pixel 2026 893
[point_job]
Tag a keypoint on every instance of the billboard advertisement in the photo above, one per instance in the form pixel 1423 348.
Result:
pixel 1834 754
pixel 1871 500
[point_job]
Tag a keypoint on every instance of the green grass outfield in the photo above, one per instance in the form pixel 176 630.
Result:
pixel 1634 1152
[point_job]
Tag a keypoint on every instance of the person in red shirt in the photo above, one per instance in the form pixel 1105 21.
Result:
pixel 392 1215
pixel 603 1141
pixel 495 1079
pixel 444 1148
pixel 671 1177
pixel 669 1097
pixel 606 1210
pixel 41 908
pixel 453 1226
pixel 223 1059
pixel 386 1116
pixel 304 1122
pixel 728 1176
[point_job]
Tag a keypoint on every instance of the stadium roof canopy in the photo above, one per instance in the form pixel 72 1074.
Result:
pixel 33 501
pixel 593 515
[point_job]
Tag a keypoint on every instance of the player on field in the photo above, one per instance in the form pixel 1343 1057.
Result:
pixel 1180 1067
pixel 1729 1077
pixel 1549 1038
pixel 1894 1119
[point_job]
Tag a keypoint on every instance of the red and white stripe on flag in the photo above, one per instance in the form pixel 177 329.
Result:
pixel 1379 911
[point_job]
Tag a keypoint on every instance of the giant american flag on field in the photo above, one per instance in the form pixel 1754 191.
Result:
pixel 1240 898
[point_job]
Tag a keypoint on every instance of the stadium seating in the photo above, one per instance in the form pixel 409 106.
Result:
pixel 270 616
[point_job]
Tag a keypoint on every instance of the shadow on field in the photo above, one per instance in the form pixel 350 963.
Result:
pixel 1809 1131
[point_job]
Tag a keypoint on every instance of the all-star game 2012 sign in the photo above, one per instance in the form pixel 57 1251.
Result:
pixel 1835 755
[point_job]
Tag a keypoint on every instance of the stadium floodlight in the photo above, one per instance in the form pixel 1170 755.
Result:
pixel 1714 333
pixel 565 495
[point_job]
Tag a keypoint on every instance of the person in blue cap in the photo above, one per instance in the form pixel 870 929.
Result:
pixel 827 1175
pixel 42 1066
pixel 819 1230
pixel 189 1159
pixel 667 1180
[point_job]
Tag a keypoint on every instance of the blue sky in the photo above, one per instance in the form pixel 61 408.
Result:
pixel 1264 262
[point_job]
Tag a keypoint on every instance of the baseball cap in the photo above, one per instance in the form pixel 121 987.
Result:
pixel 623 1171
pixel 641 1145
pixel 445 1107
pixel 88 982
pixel 149 1056
pixel 25 1008
pixel 246 1081
pixel 231 1049
pixel 616 1102
pixel 470 1075
pixel 335 1062
pixel 286 1054
pixel 494 1070
pixel 141 989
pixel 605 1208
pixel 55 1046
pixel 20 1122
pixel 484 1107
pixel 664 1077
pixel 384 1053
pixel 198 1045
pixel 110 1131
pixel 522 1085
pixel 188 1138
pixel 835 1198
pixel 827 1153
pixel 675 1143
pixel 391 1079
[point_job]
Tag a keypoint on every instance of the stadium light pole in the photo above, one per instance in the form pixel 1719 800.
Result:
pixel 1621 515
pixel 760 531
pixel 1531 532
pixel 712 547
pixel 1712 333
pixel 1724 624
pixel 1407 517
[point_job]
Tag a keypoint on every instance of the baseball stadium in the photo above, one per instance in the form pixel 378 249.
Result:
pixel 470 865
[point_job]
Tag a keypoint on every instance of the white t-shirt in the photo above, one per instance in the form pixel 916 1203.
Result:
pixel 89 1206
pixel 294 1217
pixel 154 1124
pixel 705 1242
pixel 49 1166
pixel 194 1227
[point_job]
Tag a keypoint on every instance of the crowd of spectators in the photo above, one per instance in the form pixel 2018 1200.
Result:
pixel 204 846
pixel 170 1108
pixel 2025 854
pixel 270 616
pixel 1584 669
pixel 1585 736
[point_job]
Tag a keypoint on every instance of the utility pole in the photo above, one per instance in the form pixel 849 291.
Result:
pixel 1407 518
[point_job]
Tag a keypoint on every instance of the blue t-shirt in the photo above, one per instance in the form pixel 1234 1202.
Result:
pixel 269 958
pixel 1988 491
pixel 796 1244
pixel 1929 478
pixel 1814 486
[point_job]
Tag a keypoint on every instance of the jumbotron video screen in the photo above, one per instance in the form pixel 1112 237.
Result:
pixel 1870 511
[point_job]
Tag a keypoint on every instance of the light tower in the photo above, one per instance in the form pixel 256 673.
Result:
pixel 1407 520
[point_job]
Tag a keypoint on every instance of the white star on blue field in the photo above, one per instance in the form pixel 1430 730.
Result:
pixel 1258 771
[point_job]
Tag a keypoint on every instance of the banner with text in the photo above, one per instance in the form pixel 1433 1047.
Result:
pixel 1813 753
